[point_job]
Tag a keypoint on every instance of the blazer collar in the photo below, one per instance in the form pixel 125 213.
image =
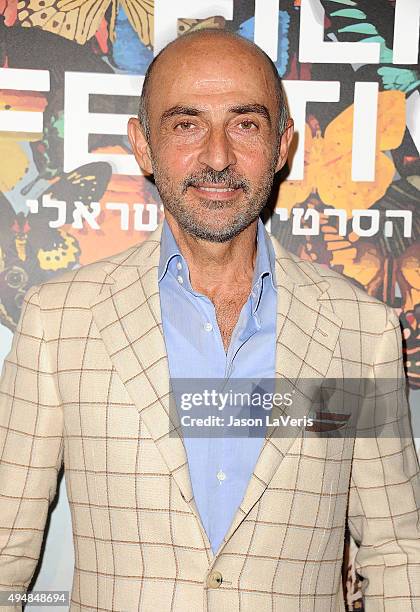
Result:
pixel 126 311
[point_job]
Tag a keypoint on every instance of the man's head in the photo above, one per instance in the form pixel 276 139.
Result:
pixel 213 128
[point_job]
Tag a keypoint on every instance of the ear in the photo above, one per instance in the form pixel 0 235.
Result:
pixel 139 145
pixel 286 139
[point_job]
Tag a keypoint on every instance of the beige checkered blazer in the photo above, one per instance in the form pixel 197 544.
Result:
pixel 86 381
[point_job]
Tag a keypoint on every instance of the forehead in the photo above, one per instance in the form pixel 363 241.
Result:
pixel 212 70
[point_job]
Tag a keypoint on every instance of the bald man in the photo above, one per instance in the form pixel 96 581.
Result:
pixel 163 518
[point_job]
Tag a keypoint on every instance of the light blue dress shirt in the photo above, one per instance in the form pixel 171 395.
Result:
pixel 220 468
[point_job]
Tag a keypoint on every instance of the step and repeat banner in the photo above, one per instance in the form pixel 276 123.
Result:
pixel 71 193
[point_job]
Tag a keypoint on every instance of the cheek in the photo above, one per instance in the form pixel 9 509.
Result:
pixel 259 147
pixel 176 160
pixel 254 162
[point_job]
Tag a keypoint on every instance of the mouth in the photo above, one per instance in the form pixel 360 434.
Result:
pixel 216 191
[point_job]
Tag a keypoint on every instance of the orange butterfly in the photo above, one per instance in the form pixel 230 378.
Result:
pixel 328 160
pixel 79 20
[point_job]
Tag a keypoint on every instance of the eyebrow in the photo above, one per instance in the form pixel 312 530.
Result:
pixel 259 109
pixel 181 110
pixel 240 109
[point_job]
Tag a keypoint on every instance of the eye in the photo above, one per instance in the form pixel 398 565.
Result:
pixel 184 126
pixel 247 124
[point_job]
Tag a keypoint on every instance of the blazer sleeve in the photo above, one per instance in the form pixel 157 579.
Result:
pixel 31 446
pixel 384 497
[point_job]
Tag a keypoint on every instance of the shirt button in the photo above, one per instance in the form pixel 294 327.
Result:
pixel 179 265
pixel 214 580
pixel 180 279
pixel 220 475
pixel 208 326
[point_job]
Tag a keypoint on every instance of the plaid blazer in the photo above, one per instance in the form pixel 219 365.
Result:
pixel 86 382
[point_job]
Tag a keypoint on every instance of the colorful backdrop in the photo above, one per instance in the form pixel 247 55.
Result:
pixel 70 191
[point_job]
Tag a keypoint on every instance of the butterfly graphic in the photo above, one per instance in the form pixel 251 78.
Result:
pixel 328 159
pixel 187 25
pixel 15 161
pixel 28 247
pixel 30 250
pixel 79 20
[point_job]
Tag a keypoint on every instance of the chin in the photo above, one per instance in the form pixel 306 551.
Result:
pixel 214 232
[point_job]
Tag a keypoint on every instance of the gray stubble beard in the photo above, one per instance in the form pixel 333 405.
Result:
pixel 188 221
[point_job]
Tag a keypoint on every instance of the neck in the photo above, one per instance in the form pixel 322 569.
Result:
pixel 215 266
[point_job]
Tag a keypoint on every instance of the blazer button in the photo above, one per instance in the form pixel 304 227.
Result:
pixel 214 580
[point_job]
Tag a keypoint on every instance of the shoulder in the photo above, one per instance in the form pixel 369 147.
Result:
pixel 343 295
pixel 353 303
pixel 78 286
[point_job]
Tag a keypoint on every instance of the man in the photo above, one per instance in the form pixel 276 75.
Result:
pixel 178 524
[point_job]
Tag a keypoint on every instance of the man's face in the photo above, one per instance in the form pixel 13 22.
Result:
pixel 214 145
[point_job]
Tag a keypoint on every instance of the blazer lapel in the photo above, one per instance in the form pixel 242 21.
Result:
pixel 127 313
pixel 307 332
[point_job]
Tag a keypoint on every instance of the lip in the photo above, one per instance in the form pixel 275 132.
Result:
pixel 210 192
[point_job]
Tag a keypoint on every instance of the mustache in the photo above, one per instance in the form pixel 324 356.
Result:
pixel 226 176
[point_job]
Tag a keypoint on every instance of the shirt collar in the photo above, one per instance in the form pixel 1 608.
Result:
pixel 168 250
pixel 265 260
pixel 264 263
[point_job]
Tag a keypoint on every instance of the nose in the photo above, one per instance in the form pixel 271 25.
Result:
pixel 217 151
